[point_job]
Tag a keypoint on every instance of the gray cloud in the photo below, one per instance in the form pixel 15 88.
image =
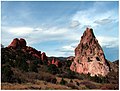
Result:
pixel 104 21
pixel 74 24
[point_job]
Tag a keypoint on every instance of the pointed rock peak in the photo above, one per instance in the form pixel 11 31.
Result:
pixel 89 56
pixel 89 33
pixel 89 30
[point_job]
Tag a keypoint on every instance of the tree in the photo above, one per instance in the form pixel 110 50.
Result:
pixel 53 69
pixel 63 82
pixel 33 67
pixel 54 80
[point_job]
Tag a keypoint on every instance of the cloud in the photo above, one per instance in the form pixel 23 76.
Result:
pixel 38 34
pixel 108 42
pixel 104 21
pixel 66 27
pixel 74 24
pixel 95 16
pixel 20 30
pixel 68 48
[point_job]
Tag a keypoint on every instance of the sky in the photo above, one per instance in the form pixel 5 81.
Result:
pixel 56 27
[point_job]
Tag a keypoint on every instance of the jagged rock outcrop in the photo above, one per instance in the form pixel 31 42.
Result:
pixel 55 62
pixel 43 56
pixel 15 43
pixel 89 56
pixel 22 44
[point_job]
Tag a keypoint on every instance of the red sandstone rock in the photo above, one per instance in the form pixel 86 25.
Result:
pixel 49 62
pixel 35 55
pixel 15 43
pixel 89 56
pixel 22 42
pixel 56 62
pixel 53 61
pixel 43 57
pixel 34 52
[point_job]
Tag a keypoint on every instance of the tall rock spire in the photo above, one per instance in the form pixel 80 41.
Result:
pixel 89 56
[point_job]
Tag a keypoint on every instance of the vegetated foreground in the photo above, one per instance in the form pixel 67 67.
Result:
pixel 24 67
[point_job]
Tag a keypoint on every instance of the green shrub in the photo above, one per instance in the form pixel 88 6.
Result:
pixel 54 80
pixel 53 69
pixel 63 82
pixel 33 67
pixel 7 74
pixel 99 79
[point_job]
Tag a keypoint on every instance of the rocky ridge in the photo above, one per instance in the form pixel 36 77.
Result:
pixel 22 44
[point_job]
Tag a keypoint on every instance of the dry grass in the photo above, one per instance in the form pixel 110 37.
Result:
pixel 38 85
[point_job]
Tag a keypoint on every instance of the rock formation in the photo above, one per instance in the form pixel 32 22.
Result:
pixel 43 56
pixel 21 43
pixel 89 56
pixel 55 62
pixel 15 43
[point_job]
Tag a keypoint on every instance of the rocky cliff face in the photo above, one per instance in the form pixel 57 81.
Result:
pixel 89 56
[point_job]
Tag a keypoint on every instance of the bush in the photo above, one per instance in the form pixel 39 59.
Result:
pixel 54 80
pixel 63 82
pixel 33 67
pixel 77 83
pixel 99 79
pixel 7 74
pixel 53 69
pixel 68 74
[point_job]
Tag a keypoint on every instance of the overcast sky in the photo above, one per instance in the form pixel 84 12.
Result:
pixel 56 27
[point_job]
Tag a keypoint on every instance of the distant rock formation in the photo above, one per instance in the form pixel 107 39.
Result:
pixel 43 56
pixel 22 44
pixel 55 62
pixel 70 58
pixel 89 56
pixel 15 43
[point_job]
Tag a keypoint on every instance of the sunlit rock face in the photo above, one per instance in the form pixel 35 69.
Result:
pixel 89 56
pixel 15 43
pixel 22 44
